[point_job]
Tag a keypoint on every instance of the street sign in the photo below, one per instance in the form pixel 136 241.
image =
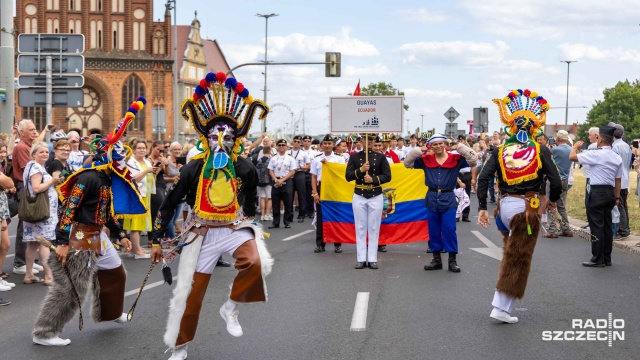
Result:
pixel 67 81
pixel 36 64
pixel 158 120
pixel 33 97
pixel 469 122
pixel 366 114
pixel 451 114
pixel 51 43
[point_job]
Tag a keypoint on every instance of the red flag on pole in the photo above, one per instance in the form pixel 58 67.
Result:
pixel 356 92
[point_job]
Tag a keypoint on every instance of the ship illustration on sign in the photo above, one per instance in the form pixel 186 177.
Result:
pixel 372 123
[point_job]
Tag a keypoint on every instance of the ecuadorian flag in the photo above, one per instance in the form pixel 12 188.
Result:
pixel 407 224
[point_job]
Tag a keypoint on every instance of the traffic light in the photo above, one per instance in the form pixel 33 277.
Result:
pixel 332 64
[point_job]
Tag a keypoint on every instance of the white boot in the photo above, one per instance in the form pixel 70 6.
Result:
pixel 123 319
pixel 179 353
pixel 56 341
pixel 231 318
pixel 503 316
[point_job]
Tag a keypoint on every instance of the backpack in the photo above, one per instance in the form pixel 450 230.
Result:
pixel 264 178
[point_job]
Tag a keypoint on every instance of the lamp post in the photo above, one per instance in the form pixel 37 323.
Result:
pixel 171 5
pixel 422 126
pixel 566 110
pixel 266 34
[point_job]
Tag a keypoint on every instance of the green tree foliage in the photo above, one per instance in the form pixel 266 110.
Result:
pixel 382 89
pixel 621 105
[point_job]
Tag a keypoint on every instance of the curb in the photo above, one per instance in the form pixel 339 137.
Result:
pixel 628 245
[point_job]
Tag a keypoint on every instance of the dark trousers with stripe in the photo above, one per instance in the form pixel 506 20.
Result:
pixel 601 202
pixel 309 199
pixel 319 232
pixel 299 186
pixel 283 193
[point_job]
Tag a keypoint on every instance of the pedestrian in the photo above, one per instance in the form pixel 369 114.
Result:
pixel 299 179
pixel 413 141
pixel 586 169
pixel 77 156
pixel 6 185
pixel 265 183
pixel 37 180
pixel 605 188
pixel 467 176
pixel 282 167
pixel 174 163
pixel 521 164
pixel 215 183
pixel 143 173
pixel 370 170
pixel 158 159
pixel 441 170
pixel 312 154
pixel 87 259
pixel 387 151
pixel 621 148
pixel 326 156
pixel 560 155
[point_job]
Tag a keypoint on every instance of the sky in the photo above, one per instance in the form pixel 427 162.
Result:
pixel 442 54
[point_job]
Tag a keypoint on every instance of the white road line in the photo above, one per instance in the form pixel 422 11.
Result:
pixel 359 320
pixel 297 235
pixel 482 238
pixel 11 255
pixel 149 286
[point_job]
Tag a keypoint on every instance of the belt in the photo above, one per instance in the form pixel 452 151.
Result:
pixel 441 190
pixel 85 237
pixel 602 186
pixel 367 187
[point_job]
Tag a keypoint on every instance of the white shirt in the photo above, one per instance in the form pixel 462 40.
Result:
pixel 193 152
pixel 586 169
pixel 406 149
pixel 622 148
pixel 282 164
pixel 76 159
pixel 316 164
pixel 302 158
pixel 400 153
pixel 312 153
pixel 606 165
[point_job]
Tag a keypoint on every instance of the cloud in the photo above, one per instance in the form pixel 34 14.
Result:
pixel 581 51
pixel 373 70
pixel 420 16
pixel 547 19
pixel 432 93
pixel 301 46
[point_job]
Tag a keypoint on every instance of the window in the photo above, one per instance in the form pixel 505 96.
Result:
pixel 121 35
pixel 49 25
pixel 117 6
pixel 56 4
pixel 192 72
pixel 132 88
pixel 71 24
pixel 200 73
pixel 94 33
pixel 37 114
pixel 49 4
pixel 92 5
pixel 100 5
pixel 187 93
pixel 158 43
pixel 71 5
pixel 56 25
pixel 136 31
pixel 100 39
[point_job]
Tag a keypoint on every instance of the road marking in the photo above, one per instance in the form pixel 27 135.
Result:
pixel 10 255
pixel 359 320
pixel 149 286
pixel 297 235
pixel 491 249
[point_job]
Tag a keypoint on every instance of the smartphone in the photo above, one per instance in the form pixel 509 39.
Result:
pixel 182 160
pixel 635 143
pixel 157 164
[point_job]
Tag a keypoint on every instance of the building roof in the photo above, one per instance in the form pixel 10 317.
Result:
pixel 213 55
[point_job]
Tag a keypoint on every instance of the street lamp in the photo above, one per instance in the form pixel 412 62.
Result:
pixel 566 111
pixel 266 33
pixel 171 5
pixel 422 126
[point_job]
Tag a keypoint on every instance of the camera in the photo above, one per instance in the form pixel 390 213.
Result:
pixel 491 147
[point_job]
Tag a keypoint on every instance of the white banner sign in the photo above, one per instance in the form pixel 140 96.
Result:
pixel 366 114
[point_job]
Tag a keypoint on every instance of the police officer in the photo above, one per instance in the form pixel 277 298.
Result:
pixel 299 179
pixel 369 169
pixel 282 167
pixel 306 147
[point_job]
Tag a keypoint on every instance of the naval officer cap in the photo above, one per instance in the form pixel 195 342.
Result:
pixel 327 137
pixel 436 138
pixel 281 142
pixel 307 137
pixel 607 130
pixel 297 137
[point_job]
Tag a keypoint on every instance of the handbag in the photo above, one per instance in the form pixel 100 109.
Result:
pixel 33 209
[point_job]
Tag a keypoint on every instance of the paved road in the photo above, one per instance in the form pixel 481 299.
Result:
pixel 410 313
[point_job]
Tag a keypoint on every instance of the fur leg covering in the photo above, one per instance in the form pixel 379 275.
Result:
pixel 186 270
pixel 108 294
pixel 248 286
pixel 189 322
pixel 518 251
pixel 60 305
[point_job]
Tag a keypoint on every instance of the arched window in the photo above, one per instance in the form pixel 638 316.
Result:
pixel 100 5
pixel 132 88
pixel 72 5
pixel 37 114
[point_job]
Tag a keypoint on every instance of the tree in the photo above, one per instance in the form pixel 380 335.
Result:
pixel 621 105
pixel 382 89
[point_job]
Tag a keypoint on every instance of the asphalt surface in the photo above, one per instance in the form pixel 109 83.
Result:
pixel 411 313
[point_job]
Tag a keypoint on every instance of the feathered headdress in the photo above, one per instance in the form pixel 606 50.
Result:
pixel 523 117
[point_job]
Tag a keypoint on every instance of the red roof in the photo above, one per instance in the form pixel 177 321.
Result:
pixel 213 55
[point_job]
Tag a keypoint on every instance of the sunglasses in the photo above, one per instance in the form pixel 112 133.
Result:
pixel 282 144
pixel 296 141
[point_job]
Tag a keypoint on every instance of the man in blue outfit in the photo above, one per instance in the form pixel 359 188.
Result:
pixel 441 174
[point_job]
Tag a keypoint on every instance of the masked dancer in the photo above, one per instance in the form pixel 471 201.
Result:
pixel 521 164
pixel 215 183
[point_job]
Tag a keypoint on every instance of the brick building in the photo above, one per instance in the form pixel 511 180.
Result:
pixel 127 54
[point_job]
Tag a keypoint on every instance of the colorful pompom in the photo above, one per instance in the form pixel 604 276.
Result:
pixel 140 105
pixel 512 94
pixel 129 115
pixel 204 84
pixel 221 77
pixel 230 83
pixel 519 91
pixel 506 100
pixel 142 99
pixel 200 91
pixel 244 93
pixel 526 92
pixel 211 77
pixel 239 87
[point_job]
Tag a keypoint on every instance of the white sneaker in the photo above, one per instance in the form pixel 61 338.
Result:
pixel 140 257
pixel 38 267
pixel 231 318
pixel 5 287
pixel 123 319
pixel 179 354
pixel 6 283
pixel 56 341
pixel 261 217
pixel 22 270
pixel 503 316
